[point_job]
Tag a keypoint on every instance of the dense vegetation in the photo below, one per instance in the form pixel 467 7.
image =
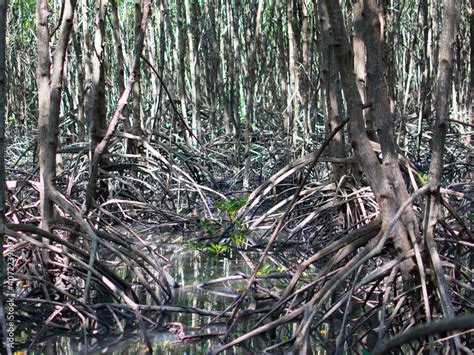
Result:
pixel 326 143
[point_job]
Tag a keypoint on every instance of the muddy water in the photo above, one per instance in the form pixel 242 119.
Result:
pixel 189 268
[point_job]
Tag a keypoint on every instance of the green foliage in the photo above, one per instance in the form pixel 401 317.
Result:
pixel 266 269
pixel 423 177
pixel 211 248
pixel 238 237
pixel 9 120
pixel 470 215
pixel 217 248
pixel 230 206
pixel 211 229
pixel 207 227
pixel 282 283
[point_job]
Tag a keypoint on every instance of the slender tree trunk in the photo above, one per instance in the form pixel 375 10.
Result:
pixel 332 116
pixel 305 61
pixel 149 114
pixel 95 98
pixel 234 27
pixel 180 49
pixel 426 68
pixel 369 22
pixel 333 96
pixel 136 118
pixel 360 55
pixel 380 95
pixel 363 150
pixel 214 67
pixel 293 96
pixel 120 57
pixel 283 66
pixel 123 100
pixel 251 79
pixel 409 57
pixel 136 88
pixel 87 63
pixel 225 73
pixel 80 120
pixel 160 107
pixel 47 136
pixel 361 62
pixel 98 72
pixel 193 65
pixel 49 81
pixel 451 12
pixel 171 65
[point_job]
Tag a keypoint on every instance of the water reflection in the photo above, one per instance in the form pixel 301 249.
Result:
pixel 189 268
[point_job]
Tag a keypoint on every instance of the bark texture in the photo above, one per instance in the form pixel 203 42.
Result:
pixel 49 81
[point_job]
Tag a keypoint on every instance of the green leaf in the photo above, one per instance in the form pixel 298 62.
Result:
pixel 423 177
pixel 217 248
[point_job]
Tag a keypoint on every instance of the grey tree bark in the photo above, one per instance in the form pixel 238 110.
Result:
pixel 293 101
pixel 451 12
pixel 193 65
pixel 251 79
pixel 95 98
pixel 49 81
pixel 332 89
pixel 122 102
pixel 377 174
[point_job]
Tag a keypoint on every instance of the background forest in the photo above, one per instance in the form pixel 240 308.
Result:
pixel 324 145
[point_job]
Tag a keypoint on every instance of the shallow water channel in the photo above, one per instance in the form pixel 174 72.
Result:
pixel 189 268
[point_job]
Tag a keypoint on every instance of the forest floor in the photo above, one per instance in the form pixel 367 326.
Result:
pixel 247 264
